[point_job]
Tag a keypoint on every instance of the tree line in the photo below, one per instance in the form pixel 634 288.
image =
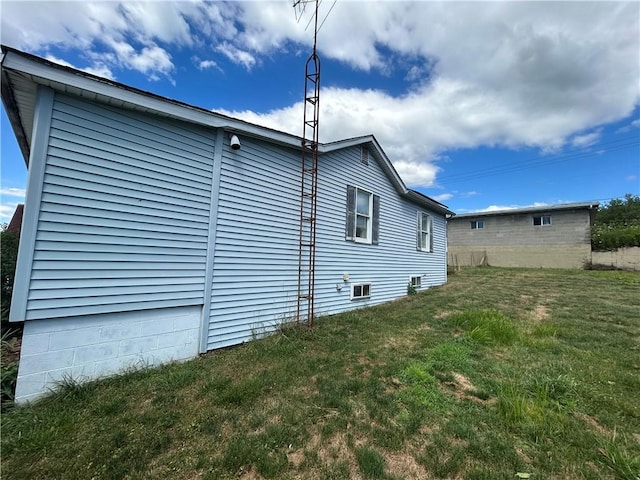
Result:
pixel 617 224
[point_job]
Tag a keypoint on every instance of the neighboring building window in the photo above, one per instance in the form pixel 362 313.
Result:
pixel 424 237
pixel 542 220
pixel 364 156
pixel 416 281
pixel 360 290
pixel 477 224
pixel 363 216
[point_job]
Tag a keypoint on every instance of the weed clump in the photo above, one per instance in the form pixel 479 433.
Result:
pixel 488 327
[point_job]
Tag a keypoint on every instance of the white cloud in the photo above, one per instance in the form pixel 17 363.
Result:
pixel 99 69
pixel 12 192
pixel 6 211
pixel 206 64
pixel 627 128
pixel 631 178
pixel 496 208
pixel 236 55
pixel 586 140
pixel 443 197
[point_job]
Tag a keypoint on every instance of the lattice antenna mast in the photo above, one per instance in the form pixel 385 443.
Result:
pixel 309 181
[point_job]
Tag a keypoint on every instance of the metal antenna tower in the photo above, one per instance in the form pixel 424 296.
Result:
pixel 309 182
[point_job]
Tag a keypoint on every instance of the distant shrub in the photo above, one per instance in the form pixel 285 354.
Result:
pixel 617 224
pixel 611 237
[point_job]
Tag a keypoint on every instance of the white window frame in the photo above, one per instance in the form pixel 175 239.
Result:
pixel 545 220
pixel 477 224
pixel 412 281
pixel 369 217
pixel 361 286
pixel 420 232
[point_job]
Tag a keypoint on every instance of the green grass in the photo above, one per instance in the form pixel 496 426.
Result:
pixel 501 371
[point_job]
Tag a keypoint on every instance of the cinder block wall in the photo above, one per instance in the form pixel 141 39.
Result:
pixel 86 348
pixel 511 240
pixel 625 258
pixel 547 256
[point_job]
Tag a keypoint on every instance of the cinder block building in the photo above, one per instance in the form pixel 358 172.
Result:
pixel 556 236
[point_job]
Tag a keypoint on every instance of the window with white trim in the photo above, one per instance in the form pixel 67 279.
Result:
pixel 477 224
pixel 424 236
pixel 363 216
pixel 360 291
pixel 416 281
pixel 541 220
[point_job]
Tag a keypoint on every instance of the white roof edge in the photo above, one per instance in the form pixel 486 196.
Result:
pixel 541 209
pixel 17 61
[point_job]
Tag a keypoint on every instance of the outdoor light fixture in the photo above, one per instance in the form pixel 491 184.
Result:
pixel 235 142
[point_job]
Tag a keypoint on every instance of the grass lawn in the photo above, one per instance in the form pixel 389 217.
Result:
pixel 498 374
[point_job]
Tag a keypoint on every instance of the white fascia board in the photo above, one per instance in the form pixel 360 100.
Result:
pixel 62 79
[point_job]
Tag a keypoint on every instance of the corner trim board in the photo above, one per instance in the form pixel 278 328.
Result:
pixel 35 181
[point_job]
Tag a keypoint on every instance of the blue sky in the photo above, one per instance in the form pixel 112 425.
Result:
pixel 479 105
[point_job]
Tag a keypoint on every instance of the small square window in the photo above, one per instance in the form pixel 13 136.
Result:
pixel 541 220
pixel 477 224
pixel 416 281
pixel 360 290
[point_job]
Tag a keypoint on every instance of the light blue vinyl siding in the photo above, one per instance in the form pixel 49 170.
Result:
pixel 124 215
pixel 388 265
pixel 256 254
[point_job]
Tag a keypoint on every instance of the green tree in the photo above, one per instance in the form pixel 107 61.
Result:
pixel 617 224
pixel 9 253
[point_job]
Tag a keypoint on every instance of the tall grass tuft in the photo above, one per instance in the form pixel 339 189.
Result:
pixel 488 327
pixel 370 462
pixel 618 460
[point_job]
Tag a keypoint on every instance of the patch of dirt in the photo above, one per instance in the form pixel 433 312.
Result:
pixel 399 343
pixel 593 423
pixel 403 465
pixel 540 313
pixel 443 314
pixel 11 350
pixel 335 449
pixel 296 457
pixel 462 388
pixel 249 474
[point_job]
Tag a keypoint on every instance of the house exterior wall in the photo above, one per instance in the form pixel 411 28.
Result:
pixel 148 240
pixel 122 222
pixel 511 240
pixel 254 284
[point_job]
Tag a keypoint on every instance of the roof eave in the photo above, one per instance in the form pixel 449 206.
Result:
pixel 57 76
pixel 11 107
